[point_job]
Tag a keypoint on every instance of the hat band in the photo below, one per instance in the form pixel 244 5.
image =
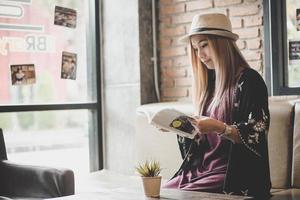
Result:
pixel 196 30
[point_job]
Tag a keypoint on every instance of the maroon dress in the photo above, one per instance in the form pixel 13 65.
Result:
pixel 210 174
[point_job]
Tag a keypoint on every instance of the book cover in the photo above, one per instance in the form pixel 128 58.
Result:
pixel 174 121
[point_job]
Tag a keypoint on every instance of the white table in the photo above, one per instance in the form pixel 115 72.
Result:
pixel 106 185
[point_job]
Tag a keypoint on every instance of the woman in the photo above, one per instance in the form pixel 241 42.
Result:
pixel 229 154
pixel 19 76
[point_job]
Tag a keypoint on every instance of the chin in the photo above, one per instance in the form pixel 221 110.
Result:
pixel 209 66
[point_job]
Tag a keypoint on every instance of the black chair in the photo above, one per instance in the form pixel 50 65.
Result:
pixel 32 182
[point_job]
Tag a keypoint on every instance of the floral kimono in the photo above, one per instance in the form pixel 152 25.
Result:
pixel 242 168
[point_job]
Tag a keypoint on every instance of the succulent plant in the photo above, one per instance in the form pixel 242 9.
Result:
pixel 149 168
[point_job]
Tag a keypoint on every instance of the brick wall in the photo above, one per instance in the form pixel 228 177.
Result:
pixel 175 17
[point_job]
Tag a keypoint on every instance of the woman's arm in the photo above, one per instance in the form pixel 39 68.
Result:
pixel 251 115
pixel 208 125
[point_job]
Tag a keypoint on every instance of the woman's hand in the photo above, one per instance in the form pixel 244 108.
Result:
pixel 208 125
pixel 163 130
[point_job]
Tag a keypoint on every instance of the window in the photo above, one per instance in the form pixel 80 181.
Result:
pixel 50 87
pixel 282 46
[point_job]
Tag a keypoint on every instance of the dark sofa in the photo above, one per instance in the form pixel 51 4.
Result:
pixel 32 182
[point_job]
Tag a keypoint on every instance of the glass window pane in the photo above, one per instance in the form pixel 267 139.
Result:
pixel 43 52
pixel 50 138
pixel 293 42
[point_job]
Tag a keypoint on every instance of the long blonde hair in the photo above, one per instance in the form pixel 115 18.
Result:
pixel 228 63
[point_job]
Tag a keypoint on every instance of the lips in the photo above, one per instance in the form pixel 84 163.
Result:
pixel 206 61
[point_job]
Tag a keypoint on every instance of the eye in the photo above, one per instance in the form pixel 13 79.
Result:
pixel 204 45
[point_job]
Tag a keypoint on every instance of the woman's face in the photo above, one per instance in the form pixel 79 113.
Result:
pixel 202 50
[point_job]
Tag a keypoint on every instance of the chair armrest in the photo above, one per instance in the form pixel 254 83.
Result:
pixel 18 180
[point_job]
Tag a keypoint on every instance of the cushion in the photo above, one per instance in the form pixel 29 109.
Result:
pixel 154 144
pixel 290 194
pixel 296 149
pixel 280 142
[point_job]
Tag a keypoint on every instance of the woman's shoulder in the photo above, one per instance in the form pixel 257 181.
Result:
pixel 250 79
pixel 251 76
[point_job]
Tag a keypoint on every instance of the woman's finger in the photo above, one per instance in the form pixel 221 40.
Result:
pixel 163 130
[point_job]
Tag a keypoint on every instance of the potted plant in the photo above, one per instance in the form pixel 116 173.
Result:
pixel 150 173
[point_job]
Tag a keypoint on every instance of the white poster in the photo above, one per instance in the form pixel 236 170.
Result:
pixel 294 52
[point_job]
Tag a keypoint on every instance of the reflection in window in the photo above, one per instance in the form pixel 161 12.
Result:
pixel 43 51
pixel 51 138
pixel 293 42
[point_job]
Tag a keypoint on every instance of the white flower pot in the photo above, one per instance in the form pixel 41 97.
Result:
pixel 152 186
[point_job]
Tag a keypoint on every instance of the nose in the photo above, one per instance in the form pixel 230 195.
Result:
pixel 201 54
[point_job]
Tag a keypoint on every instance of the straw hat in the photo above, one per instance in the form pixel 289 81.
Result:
pixel 211 24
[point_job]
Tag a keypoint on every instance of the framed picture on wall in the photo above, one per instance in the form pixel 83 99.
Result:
pixel 22 74
pixel 68 65
pixel 294 52
pixel 65 17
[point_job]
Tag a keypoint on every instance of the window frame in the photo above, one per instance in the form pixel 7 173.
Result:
pixel 95 133
pixel 275 47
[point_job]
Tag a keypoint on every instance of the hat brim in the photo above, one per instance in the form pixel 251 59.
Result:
pixel 230 35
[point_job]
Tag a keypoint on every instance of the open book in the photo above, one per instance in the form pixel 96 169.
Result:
pixel 174 121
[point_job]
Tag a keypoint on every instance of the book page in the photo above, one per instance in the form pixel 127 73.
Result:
pixel 174 121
